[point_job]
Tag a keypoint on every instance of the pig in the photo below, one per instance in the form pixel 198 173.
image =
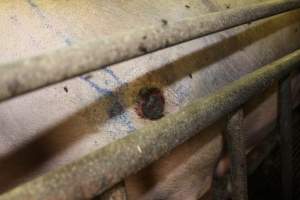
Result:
pixel 55 125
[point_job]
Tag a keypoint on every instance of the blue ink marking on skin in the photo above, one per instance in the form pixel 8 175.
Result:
pixel 68 41
pixel 36 8
pixel 32 4
pixel 124 118
pixel 99 90
pixel 116 110
pixel 40 13
pixel 112 74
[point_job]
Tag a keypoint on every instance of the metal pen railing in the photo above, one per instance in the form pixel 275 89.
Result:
pixel 29 74
pixel 235 146
pixel 100 170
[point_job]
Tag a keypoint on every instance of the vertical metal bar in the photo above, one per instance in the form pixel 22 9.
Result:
pixel 285 123
pixel 220 188
pixel 117 192
pixel 237 153
pixel 235 146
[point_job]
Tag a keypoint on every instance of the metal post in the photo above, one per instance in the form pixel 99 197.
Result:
pixel 254 160
pixel 285 123
pixel 235 147
pixel 237 153
pixel 117 192
pixel 220 189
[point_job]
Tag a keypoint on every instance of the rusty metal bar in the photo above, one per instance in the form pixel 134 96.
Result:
pixel 286 134
pixel 235 143
pixel 100 170
pixel 29 74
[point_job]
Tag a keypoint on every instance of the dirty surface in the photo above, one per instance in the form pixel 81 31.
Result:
pixel 26 75
pixel 50 127
pixel 100 170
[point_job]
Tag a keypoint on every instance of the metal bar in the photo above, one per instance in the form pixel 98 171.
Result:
pixel 29 74
pixel 100 170
pixel 254 159
pixel 235 147
pixel 220 187
pixel 285 130
pixel 117 192
pixel 237 152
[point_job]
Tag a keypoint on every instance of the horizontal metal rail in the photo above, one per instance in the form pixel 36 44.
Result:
pixel 29 74
pixel 100 170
